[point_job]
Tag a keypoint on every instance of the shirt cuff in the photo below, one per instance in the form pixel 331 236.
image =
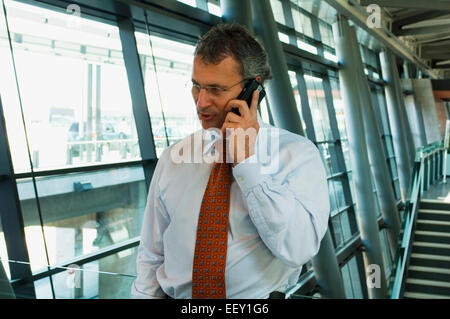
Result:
pixel 248 174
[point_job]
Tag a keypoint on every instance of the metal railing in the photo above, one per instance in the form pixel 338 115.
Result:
pixel 427 170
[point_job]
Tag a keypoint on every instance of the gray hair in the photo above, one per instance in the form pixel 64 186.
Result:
pixel 233 40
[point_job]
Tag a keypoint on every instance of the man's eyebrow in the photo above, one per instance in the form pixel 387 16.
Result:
pixel 212 84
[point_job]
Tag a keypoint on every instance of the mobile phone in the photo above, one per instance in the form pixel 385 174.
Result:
pixel 247 94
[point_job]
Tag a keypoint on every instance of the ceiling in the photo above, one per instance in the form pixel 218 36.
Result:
pixel 423 25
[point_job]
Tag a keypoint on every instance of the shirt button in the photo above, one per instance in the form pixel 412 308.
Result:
pixel 240 178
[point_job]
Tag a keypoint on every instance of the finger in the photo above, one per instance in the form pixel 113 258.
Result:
pixel 241 105
pixel 232 118
pixel 228 125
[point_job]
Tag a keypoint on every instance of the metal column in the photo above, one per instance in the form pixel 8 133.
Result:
pixel 403 115
pixel 239 11
pixel 403 157
pixel 326 270
pixel 280 93
pixel 367 215
pixel 380 169
pixel 419 117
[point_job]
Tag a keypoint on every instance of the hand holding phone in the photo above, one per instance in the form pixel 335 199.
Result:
pixel 247 94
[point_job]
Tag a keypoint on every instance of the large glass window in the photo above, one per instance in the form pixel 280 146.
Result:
pixel 73 89
pixel 173 116
pixel 81 212
pixel 110 277
pixel 351 279
pixel 317 103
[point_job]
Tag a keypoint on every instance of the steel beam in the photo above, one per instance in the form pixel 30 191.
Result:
pixel 280 94
pixel 359 16
pixel 365 199
pixel 410 4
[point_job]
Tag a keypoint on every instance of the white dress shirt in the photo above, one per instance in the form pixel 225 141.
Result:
pixel 279 210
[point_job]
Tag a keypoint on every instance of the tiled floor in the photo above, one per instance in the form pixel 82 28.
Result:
pixel 439 191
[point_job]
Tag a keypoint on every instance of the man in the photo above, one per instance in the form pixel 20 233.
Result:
pixel 274 218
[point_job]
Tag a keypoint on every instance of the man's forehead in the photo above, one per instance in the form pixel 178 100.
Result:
pixel 226 68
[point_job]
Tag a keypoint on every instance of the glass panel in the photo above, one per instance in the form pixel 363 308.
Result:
pixel 332 196
pixel 66 73
pixel 82 212
pixel 337 231
pixel 191 3
pixel 330 56
pixel 345 225
pixel 355 279
pixel 277 9
pixel 383 111
pixel 339 192
pixel 345 271
pixel 171 114
pixel 352 185
pixel 326 34
pixel 4 253
pixel 283 37
pixel 346 152
pixel 386 252
pixel 318 8
pixel 302 23
pixel 110 277
pixel 326 157
pixel 338 107
pixel 334 159
pixel 306 46
pixel 214 8
pixel 318 105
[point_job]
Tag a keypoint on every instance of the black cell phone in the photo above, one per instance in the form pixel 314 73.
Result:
pixel 247 94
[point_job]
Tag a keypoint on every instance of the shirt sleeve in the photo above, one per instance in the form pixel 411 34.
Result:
pixel 289 208
pixel 151 251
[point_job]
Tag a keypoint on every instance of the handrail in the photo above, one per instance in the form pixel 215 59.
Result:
pixel 411 211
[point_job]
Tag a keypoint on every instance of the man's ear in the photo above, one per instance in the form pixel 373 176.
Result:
pixel 258 78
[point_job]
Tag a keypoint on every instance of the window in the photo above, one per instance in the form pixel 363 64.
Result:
pixel 66 76
pixel 105 278
pixel 82 212
pixel 317 103
pixel 173 116
pixel 277 9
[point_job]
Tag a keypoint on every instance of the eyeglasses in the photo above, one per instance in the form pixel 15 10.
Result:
pixel 213 90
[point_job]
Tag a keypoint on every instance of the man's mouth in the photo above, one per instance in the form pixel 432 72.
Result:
pixel 205 116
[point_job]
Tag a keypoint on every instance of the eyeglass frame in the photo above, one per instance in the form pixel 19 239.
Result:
pixel 208 88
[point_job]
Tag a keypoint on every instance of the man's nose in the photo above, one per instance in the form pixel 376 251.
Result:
pixel 203 98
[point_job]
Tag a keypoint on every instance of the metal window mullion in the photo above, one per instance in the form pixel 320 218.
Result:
pixel 317 36
pixel 306 110
pixel 289 20
pixel 12 219
pixel 138 96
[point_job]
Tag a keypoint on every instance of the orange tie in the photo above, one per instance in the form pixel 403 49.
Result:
pixel 208 272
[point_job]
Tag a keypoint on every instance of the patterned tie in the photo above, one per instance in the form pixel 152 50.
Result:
pixel 208 272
